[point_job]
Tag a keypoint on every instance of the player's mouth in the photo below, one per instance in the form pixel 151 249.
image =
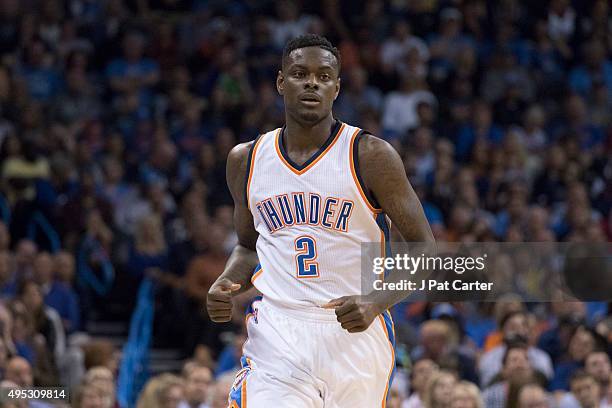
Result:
pixel 310 99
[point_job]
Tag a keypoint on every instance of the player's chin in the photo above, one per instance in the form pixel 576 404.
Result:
pixel 309 116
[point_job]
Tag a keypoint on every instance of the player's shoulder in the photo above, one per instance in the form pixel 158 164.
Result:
pixel 240 155
pixel 240 152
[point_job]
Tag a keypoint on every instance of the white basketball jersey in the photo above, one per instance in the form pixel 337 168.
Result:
pixel 311 220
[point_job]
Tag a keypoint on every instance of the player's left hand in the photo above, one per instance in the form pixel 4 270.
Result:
pixel 354 313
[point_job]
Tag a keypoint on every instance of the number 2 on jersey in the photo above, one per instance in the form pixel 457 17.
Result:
pixel 307 266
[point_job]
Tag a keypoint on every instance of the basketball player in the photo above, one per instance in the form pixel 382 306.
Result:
pixel 306 196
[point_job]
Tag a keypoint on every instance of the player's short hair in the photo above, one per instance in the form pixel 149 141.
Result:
pixel 310 40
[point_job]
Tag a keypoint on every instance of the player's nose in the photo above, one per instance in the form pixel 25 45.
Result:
pixel 311 81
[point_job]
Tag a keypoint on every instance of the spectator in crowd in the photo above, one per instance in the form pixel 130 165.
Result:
pixel 19 371
pixel 514 328
pixel 102 378
pixel 149 255
pixel 517 370
pixel 566 318
pixel 466 395
pixel 533 396
pixel 162 391
pixel 90 396
pixel 56 295
pixel 597 364
pixel 419 378
pixel 439 390
pixel 101 353
pixel 582 343
pixel 7 275
pixel 198 380
pixel 585 392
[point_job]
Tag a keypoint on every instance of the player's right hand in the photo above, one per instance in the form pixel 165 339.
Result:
pixel 219 300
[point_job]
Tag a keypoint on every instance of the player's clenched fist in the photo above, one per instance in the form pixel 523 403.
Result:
pixel 354 313
pixel 219 300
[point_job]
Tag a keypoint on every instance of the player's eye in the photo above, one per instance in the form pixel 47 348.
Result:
pixel 299 74
pixel 325 77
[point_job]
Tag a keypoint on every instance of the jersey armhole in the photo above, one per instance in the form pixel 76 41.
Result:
pixel 365 193
pixel 249 170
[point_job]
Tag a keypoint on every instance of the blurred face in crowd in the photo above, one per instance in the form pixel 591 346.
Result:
pixel 516 326
pixel 64 266
pixel 19 371
pixel 309 83
pixel 5 266
pixel 4 237
pixel 197 384
pixel 26 251
pixel 598 365
pixel 421 373
pixel 102 378
pixel 3 354
pixel 434 337
pixel 172 397
pixel 463 396
pixel 92 397
pixel 533 396
pixel 586 391
pixel 442 391
pixel 43 268
pixel 581 344
pixel 517 366
pixel 32 297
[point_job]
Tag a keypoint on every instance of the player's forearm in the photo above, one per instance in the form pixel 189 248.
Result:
pixel 240 266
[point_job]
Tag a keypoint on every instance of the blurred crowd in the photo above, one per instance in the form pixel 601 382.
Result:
pixel 116 118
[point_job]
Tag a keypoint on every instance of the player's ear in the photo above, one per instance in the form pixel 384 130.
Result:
pixel 280 80
pixel 337 88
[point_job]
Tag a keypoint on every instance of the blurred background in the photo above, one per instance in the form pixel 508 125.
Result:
pixel 116 118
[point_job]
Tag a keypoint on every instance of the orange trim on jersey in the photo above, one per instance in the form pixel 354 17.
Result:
pixel 234 405
pixel 382 321
pixel 305 169
pixel 248 187
pixel 357 183
pixel 256 275
pixel 244 392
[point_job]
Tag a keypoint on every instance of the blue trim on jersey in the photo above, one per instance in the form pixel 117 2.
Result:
pixel 249 308
pixel 257 269
pixel 381 220
pixel 389 325
pixel 355 157
pixel 332 136
pixel 236 395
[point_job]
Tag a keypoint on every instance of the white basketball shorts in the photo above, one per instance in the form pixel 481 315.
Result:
pixel 305 359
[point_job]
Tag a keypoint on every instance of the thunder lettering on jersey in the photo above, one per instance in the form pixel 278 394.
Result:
pixel 311 219
pixel 288 210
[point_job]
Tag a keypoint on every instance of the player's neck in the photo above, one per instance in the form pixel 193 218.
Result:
pixel 299 137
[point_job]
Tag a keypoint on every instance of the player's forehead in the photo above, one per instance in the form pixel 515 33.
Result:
pixel 311 57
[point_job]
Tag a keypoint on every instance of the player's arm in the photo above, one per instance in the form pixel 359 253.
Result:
pixel 236 278
pixel 385 178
